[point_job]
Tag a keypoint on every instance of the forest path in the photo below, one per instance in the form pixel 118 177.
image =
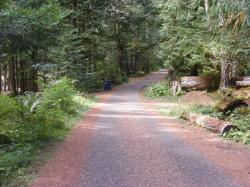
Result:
pixel 122 141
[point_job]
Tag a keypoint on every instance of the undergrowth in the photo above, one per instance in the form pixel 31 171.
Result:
pixel 161 90
pixel 31 122
pixel 240 117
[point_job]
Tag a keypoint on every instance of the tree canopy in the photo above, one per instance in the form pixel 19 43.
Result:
pixel 91 41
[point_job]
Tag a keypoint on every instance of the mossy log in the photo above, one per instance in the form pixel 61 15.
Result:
pixel 229 104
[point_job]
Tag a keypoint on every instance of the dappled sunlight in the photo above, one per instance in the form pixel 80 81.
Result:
pixel 167 129
pixel 124 116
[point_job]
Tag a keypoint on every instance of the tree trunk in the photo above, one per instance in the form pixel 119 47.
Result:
pixel 234 69
pixel 22 77
pixel 74 6
pixel 17 74
pixel 0 77
pixel 5 77
pixel 225 74
pixel 34 73
pixel 12 75
pixel 206 4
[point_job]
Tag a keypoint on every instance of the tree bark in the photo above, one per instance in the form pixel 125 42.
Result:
pixel 225 74
pixel 0 77
pixel 12 75
pixel 74 6
pixel 22 77
pixel 206 4
pixel 34 73
pixel 5 77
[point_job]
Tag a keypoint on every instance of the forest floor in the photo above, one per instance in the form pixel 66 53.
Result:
pixel 125 141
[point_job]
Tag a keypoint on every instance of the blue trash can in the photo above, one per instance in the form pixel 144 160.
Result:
pixel 108 85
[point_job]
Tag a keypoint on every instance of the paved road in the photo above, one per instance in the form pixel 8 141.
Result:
pixel 130 147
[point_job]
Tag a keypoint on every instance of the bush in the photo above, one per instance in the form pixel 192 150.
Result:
pixel 159 89
pixel 10 115
pixel 54 106
pixel 32 119
pixel 59 96
pixel 8 107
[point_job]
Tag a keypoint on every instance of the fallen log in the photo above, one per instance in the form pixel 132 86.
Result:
pixel 197 82
pixel 210 123
pixel 245 78
pixel 242 84
pixel 228 104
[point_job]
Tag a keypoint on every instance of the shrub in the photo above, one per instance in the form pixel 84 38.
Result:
pixel 9 115
pixel 32 119
pixel 9 108
pixel 159 89
pixel 29 102
pixel 59 96
pixel 56 103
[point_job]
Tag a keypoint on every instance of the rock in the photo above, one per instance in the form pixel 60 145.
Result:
pixel 229 104
pixel 4 140
pixel 197 82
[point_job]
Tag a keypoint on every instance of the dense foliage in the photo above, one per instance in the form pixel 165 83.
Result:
pixel 206 37
pixel 158 90
pixel 32 119
pixel 239 117
pixel 88 41
pixel 92 41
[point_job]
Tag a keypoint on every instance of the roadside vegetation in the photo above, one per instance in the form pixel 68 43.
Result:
pixel 52 50
pixel 33 121
pixel 162 90
pixel 240 117
pixel 206 48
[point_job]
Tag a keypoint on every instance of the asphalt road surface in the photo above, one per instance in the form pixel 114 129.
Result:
pixel 127 145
